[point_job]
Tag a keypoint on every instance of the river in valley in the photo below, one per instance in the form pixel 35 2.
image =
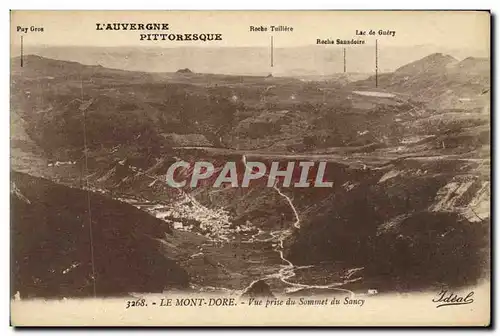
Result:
pixel 228 259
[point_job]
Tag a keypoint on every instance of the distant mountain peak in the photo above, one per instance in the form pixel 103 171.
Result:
pixel 438 57
pixel 431 63
pixel 473 62
pixel 185 70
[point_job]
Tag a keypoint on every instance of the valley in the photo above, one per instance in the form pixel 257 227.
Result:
pixel 409 208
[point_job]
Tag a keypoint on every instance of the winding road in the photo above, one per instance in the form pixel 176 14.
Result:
pixel 288 271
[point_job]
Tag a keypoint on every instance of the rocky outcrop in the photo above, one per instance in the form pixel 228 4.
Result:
pixel 258 289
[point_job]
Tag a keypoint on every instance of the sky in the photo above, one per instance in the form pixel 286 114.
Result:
pixel 449 29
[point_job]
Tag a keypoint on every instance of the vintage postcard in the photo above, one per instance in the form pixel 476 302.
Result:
pixel 250 168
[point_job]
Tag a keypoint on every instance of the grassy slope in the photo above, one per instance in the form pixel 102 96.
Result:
pixel 286 115
pixel 51 248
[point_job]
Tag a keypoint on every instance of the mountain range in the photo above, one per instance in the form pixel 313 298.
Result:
pixel 315 60
pixel 409 151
